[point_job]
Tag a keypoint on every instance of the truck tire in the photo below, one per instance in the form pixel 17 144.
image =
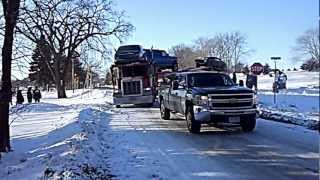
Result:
pixel 165 112
pixel 248 123
pixel 193 126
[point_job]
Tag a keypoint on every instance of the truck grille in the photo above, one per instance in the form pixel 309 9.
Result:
pixel 131 87
pixel 232 105
pixel 231 101
pixel 228 96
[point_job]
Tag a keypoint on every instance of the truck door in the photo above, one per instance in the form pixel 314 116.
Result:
pixel 176 94
pixel 173 96
pixel 181 94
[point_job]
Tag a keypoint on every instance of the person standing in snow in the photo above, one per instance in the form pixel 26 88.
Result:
pixel 234 77
pixel 36 95
pixel 285 80
pixel 29 95
pixel 20 98
pixel 281 80
pixel 249 81
pixel 241 83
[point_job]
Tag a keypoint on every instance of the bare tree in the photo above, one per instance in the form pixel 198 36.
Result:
pixel 307 45
pixel 230 47
pixel 185 54
pixel 239 47
pixel 66 25
pixel 204 46
pixel 10 14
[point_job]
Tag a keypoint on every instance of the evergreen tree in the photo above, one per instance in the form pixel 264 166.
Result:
pixel 39 72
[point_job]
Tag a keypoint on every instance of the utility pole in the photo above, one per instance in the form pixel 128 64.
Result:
pixel 275 87
pixel 38 73
pixel 72 75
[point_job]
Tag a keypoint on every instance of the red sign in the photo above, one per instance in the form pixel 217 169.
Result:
pixel 257 68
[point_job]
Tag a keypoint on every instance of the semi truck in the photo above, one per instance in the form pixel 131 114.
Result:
pixel 135 74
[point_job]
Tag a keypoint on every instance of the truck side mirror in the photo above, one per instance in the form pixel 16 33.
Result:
pixel 175 85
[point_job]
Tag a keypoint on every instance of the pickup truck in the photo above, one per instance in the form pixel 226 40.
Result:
pixel 207 97
pixel 161 59
pixel 129 53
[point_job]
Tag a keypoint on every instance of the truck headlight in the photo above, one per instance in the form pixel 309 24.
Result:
pixel 202 100
pixel 255 99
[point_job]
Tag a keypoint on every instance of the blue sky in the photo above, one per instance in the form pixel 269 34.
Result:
pixel 271 26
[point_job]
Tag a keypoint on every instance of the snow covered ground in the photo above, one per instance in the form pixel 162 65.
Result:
pixel 85 137
pixel 298 104
pixel 57 138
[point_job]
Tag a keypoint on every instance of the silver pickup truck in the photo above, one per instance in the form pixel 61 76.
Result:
pixel 207 97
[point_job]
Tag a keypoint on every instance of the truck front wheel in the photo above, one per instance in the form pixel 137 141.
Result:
pixel 193 126
pixel 165 112
pixel 248 123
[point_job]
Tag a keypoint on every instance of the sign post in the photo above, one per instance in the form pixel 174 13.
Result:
pixel 275 86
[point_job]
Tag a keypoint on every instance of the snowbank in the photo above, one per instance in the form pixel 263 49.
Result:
pixel 58 139
pixel 298 104
pixel 86 155
pixel 296 80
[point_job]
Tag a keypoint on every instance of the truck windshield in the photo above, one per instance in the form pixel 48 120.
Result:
pixel 209 80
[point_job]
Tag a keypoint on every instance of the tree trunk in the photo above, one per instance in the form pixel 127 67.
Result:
pixel 60 86
pixel 62 90
pixel 59 81
pixel 11 10
pixel 4 128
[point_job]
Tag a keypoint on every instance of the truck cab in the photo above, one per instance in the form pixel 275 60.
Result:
pixel 132 77
pixel 136 72
pixel 132 84
pixel 207 97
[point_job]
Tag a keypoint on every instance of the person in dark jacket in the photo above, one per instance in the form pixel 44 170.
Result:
pixel 252 81
pixel 241 83
pixel 29 95
pixel 234 77
pixel 20 98
pixel 249 81
pixel 36 95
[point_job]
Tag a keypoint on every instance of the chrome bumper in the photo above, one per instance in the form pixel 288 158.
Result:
pixel 207 115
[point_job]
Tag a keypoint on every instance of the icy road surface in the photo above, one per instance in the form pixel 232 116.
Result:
pixel 85 137
pixel 163 149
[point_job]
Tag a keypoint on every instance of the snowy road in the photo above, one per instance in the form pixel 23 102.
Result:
pixel 85 137
pixel 148 147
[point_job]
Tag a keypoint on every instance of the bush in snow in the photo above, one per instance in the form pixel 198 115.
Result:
pixel 311 65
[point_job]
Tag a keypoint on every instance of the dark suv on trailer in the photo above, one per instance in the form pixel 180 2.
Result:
pixel 207 97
